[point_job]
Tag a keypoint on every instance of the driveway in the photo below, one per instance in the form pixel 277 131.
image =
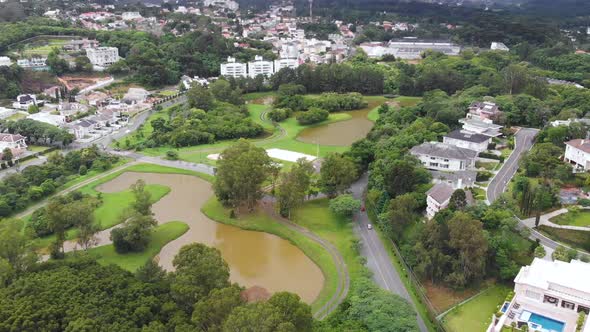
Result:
pixel 523 143
pixel 378 261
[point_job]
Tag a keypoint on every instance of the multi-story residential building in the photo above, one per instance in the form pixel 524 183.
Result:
pixel 444 157
pixel 484 110
pixel 129 16
pixel 484 127
pixel 233 69
pixel 467 140
pixel 437 198
pixel 80 44
pixel 409 49
pixel 577 152
pixel 103 56
pixel 549 296
pixel 260 67
pixel 285 63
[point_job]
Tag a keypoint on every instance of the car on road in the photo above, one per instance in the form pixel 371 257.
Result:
pixel 369 226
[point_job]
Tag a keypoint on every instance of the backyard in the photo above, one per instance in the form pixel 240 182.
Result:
pixel 476 314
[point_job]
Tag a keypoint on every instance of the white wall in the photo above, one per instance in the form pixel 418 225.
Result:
pixel 479 147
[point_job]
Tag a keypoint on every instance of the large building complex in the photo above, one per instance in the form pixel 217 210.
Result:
pixel 549 296
pixel 102 56
pixel 233 69
pixel 409 49
pixel 259 66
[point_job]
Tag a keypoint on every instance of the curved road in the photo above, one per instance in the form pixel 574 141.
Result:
pixel 523 141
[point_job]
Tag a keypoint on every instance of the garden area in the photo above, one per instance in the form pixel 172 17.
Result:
pixel 476 314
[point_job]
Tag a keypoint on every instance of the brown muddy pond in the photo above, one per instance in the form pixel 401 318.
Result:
pixel 341 133
pixel 254 258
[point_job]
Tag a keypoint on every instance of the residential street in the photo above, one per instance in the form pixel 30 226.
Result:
pixel 523 143
pixel 378 261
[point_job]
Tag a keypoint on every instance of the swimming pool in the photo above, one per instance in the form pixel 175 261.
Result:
pixel 543 323
pixel 505 306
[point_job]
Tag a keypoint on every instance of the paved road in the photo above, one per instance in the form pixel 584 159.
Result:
pixel 378 261
pixel 523 142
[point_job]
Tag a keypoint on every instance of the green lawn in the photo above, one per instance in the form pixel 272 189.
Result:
pixel 476 315
pixel 402 101
pixel 37 148
pixel 17 116
pixel 578 218
pixel 260 221
pixel 161 235
pixel 478 193
pixel 259 95
pixel 573 238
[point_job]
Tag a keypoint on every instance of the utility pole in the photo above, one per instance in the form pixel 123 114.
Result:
pixel 311 10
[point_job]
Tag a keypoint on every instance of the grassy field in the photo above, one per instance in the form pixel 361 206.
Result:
pixel 45 49
pixel 161 235
pixel 476 314
pixel 260 221
pixel 402 101
pixel 578 218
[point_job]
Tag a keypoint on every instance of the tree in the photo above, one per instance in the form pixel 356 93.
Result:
pixel 336 174
pixel 33 109
pixel 344 205
pixel 458 200
pixel 87 228
pixel 241 170
pixel 151 272
pixel 210 312
pixel 16 255
pixel 293 187
pixel 469 245
pixel 401 211
pixel 311 116
pixel 200 97
pixel 7 155
pixel 83 64
pixel 199 270
pixel 134 234
pixel 56 63
pixel 404 175
pixel 563 254
pixel 142 203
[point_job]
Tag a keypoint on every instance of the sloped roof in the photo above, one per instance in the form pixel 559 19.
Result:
pixel 580 144
pixel 441 192
pixel 467 136
pixel 443 150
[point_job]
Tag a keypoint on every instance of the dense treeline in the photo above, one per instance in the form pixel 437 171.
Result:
pixel 35 182
pixel 332 78
pixel 79 294
pixel 9 81
pixel 34 26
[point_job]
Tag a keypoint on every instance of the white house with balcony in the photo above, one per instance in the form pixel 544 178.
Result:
pixel 549 296
pixel 481 126
pixel 437 198
pixel 468 140
pixel 102 56
pixel 23 102
pixel 577 152
pixel 444 157
pixel 260 67
pixel 233 69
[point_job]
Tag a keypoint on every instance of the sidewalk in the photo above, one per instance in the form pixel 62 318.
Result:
pixel 545 220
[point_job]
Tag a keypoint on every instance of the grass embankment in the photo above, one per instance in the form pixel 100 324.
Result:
pixel 577 218
pixel 476 314
pixel 570 237
pixel 161 235
pixel 260 221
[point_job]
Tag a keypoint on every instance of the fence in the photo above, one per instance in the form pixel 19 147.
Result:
pixel 416 286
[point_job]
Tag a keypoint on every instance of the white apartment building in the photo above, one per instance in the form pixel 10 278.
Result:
pixel 285 63
pixel 577 152
pixel 229 4
pixel 408 49
pixel 467 140
pixel 103 56
pixel 260 67
pixel 5 61
pixel 549 296
pixel 444 157
pixel 437 198
pixel 233 68
pixel 129 16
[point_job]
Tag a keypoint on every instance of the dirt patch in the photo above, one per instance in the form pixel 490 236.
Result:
pixel 443 298
pixel 79 81
pixel 37 81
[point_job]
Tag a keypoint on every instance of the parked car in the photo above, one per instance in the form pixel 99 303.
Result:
pixel 369 226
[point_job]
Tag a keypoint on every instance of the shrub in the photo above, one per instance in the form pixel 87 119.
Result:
pixel 491 156
pixel 279 114
pixel 540 251
pixel 83 170
pixel 314 115
pixel 584 202
pixel 483 176
pixel 171 155
pixel 345 205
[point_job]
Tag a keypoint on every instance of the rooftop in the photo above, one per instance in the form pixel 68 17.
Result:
pixel 441 192
pixel 543 274
pixel 467 136
pixel 10 138
pixel 443 150
pixel 580 144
